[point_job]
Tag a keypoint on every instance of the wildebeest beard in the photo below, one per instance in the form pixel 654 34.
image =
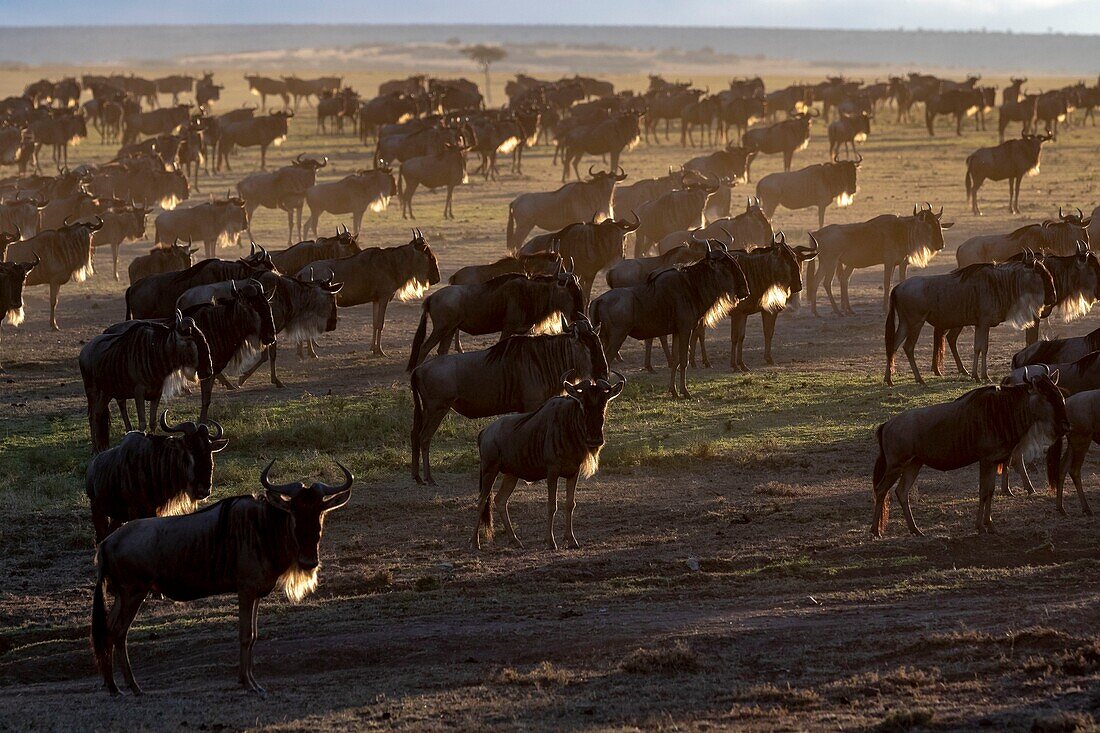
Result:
pixel 297 582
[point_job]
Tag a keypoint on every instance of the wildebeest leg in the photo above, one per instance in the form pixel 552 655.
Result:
pixel 484 511
pixel 824 274
pixel 981 345
pixel 207 390
pixel 844 274
pixel 1017 462
pixel 937 351
pixel 648 355
pixel 570 506
pixel 1012 195
pixel 247 611
pixel 738 323
pixel 114 258
pixel 953 342
pixel 154 405
pixel 882 501
pixel 701 337
pixel 458 341
pixel 821 217
pixel 271 352
pixel 124 414
pixel 908 478
pixel 379 324
pixel 55 288
pixel 448 210
pixel 357 220
pixel 680 343
pixel 788 155
pixel 429 424
pixel 551 509
pixel 987 483
pixel 263 157
pixel 504 493
pixel 126 608
pixel 912 334
pixel 768 321
pixel 1078 450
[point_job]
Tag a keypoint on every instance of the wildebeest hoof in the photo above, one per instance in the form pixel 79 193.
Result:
pixel 278 384
pixel 770 361
pixel 136 690
pixel 516 542
pixel 572 542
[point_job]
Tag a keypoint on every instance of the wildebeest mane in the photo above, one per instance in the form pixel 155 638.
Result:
pixel 545 356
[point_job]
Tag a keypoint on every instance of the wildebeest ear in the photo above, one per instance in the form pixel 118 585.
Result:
pixel 1054 376
pixel 947 225
pixel 615 390
pixel 335 501
pixel 279 499
pixel 216 446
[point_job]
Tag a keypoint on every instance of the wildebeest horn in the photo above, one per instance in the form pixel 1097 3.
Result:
pixel 252 249
pixel 233 287
pixel 1080 214
pixel 165 427
pixel 567 377
pixel 939 213
pixel 179 317
pixel 217 425
pixel 590 173
pixel 728 233
pixel 348 479
pixel 287 489
pixel 299 158
pixel 914 209
pixel 859 159
pixel 1060 214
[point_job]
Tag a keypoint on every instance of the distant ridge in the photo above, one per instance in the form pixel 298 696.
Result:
pixel 1074 55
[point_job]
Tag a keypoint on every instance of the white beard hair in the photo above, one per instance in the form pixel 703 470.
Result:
pixel 508 145
pixel 805 144
pixel 1034 171
pixel 775 298
pixel 254 92
pixel 1035 442
pixel 1025 311
pixel 549 326
pixel 298 583
pixel 860 137
pixel 76 141
pixel 1073 308
pixel 465 177
pixel 180 504
pixel 169 202
pixel 277 142
pixel 591 463
pixel 719 310
pixel 247 355
pixel 87 270
pixel 411 290
pixel 920 257
pixel 379 204
pixel 226 239
pixel 14 317
pixel 971 111
pixel 179 382
pixel 634 142
pixel 303 329
pixel 844 200
pixel 405 117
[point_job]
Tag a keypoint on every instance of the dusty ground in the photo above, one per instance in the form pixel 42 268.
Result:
pixel 726 578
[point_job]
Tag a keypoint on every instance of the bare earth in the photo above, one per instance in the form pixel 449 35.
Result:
pixel 726 577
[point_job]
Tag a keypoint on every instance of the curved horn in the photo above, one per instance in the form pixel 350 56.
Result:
pixel 590 173
pixel 568 376
pixel 348 479
pixel 217 425
pixel 299 158
pixel 166 428
pixel 290 488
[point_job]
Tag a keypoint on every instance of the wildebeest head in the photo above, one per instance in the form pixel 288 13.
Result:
pixel 567 288
pixel 13 275
pixel 189 344
pixel 307 507
pixel 582 330
pixel 251 296
pixel 310 164
pixel 725 272
pixel 258 258
pixel 841 178
pixel 322 289
pixel 618 175
pixel 1078 220
pixel 1046 402
pixel 426 267
pixel 929 228
pixel 593 396
pixel 793 257
pixel 200 445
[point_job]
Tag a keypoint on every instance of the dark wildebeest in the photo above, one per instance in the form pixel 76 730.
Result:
pixel 1023 110
pixel 261 131
pixel 139 360
pixel 295 259
pixel 387 109
pixel 630 197
pixel 729 167
pixel 540 263
pixel 675 211
pixel 1076 280
pixel 303 310
pixel 983 426
pixel 677 302
pixel 155 296
pixel 215 224
pixel 263 87
pixel 20 215
pixel 60 255
pixel 960 103
pixel 746 230
pixel 206 91
pixel 121 223
pixel 516 375
pixel 284 189
pixel 590 246
pixel 156 122
pixel 1082 410
pixel 378 275
pixel 445 169
pixel 553 210
pixel 13 275
pixel 243 545
pixel 636 271
pixel 816 185
pixel 1057 351
pixel 739 112
pixel 1054 237
pixel 59 130
pixel 896 242
pixel 509 304
pixel 982 296
pixel 847 130
pixel 1010 161
pixel 609 137
pixel 354 194
pixel 152 475
pixel 561 439
pixel 161 259
pixel 783 137
pixel 774 274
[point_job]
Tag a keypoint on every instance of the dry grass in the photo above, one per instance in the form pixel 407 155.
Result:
pixel 543 674
pixel 677 658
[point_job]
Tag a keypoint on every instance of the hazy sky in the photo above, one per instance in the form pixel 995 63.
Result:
pixel 1035 16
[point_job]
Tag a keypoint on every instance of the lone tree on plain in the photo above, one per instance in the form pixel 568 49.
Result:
pixel 485 56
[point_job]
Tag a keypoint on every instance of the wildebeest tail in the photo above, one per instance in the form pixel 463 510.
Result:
pixel 129 307
pixel 401 182
pixel 891 328
pixel 879 521
pixel 1055 475
pixel 418 422
pixel 511 227
pixel 418 339
pixel 99 614
pixel 969 179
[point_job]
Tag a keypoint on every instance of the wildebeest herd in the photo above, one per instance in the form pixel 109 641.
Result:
pixel 697 259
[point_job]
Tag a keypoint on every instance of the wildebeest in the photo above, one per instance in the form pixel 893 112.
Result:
pixel 156 122
pixel 676 302
pixel 889 240
pixel 445 169
pixel 748 229
pixel 152 475
pixel 983 426
pixel 1056 237
pixel 637 270
pixel 155 296
pixel 516 375
pixel 354 194
pixel 20 215
pixel 60 255
pixel 59 130
pixel 816 185
pixel 295 259
pixel 121 223
pixel 1011 160
pixel 553 210
pixel 959 103
pixel 509 304
pixel 214 223
pixel 161 259
pixel 1076 280
pixel 13 275
pixel 729 166
pixel 981 295
pixel 1057 351
pixel 1082 409
pixel 675 211
pixel 261 131
pixel 539 263
pixel 263 87
pixel 378 275
pixel 284 189
pixel 608 137
pixel 386 109
pixel 783 137
pixel 561 439
pixel 243 544
pixel 847 130
pixel 589 246
pixel 206 91
pixel 140 361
